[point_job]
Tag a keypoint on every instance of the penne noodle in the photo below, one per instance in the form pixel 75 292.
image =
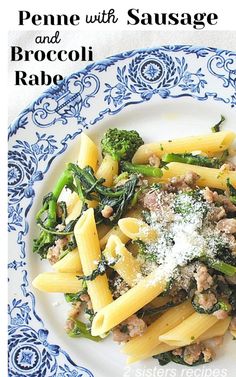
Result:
pixel 90 254
pixel 129 303
pixel 75 211
pixel 71 201
pixel 116 232
pixel 137 229
pixel 107 170
pixel 60 282
pixel 126 266
pixel 208 176
pixel 210 143
pixel 233 333
pixel 69 263
pixel 189 330
pixel 88 153
pixel 167 321
pixel 219 329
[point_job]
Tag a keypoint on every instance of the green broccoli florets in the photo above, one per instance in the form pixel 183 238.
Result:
pixel 121 144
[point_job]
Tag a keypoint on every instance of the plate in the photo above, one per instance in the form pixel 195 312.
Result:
pixel 163 92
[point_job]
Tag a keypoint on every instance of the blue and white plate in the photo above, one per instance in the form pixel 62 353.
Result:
pixel 162 92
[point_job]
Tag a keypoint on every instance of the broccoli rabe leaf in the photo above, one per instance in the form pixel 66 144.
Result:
pixel 232 191
pixel 166 357
pixel 219 305
pixel 121 144
pixel 81 330
pixel 101 268
pixel 232 300
pixel 145 170
pixel 216 127
pixel 189 158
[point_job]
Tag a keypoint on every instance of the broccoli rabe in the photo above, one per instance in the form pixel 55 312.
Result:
pixel 232 191
pixel 81 330
pixel 145 170
pixel 47 217
pixel 216 127
pixel 166 357
pixel 219 305
pixel 189 158
pixel 121 144
pixel 118 198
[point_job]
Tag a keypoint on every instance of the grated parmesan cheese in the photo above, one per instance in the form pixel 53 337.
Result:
pixel 183 237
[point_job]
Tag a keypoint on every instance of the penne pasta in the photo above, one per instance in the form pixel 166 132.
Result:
pixel 69 263
pixel 219 329
pixel 88 153
pixel 167 321
pixel 137 229
pixel 233 333
pixel 208 176
pixel 90 254
pixel 189 330
pixel 126 266
pixel 75 211
pixel 210 143
pixel 60 282
pixel 115 231
pixel 107 170
pixel 71 201
pixel 129 303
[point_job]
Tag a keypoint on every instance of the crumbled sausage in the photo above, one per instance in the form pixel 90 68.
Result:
pixel 227 226
pixel 214 197
pixel 191 178
pixel 54 252
pixel 107 212
pixel 220 314
pixel 154 160
pixel 131 327
pixel 178 352
pixel 69 325
pixel 75 310
pixel 208 354
pixel 228 166
pixel 217 214
pixel 85 298
pixel 203 278
pixel 208 195
pixel 192 353
pixel 183 183
pixel 150 201
pixel 207 300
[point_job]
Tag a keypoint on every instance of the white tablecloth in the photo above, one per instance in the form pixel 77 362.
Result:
pixel 104 44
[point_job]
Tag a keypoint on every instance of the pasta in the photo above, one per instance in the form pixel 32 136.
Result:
pixel 57 282
pixel 89 251
pixel 126 265
pixel 212 143
pixel 70 263
pixel 107 170
pixel 189 330
pixel 207 176
pixel 115 231
pixel 127 304
pixel 151 337
pixel 88 153
pixel 136 229
pixel 217 330
pixel 143 246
